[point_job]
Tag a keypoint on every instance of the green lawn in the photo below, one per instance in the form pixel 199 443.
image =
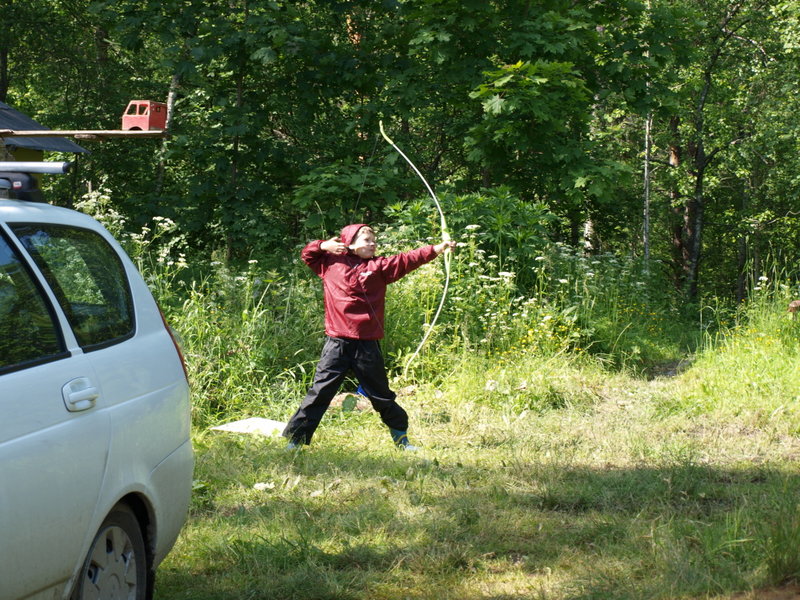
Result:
pixel 612 488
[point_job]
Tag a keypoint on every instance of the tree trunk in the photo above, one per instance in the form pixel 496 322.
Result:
pixel 3 73
pixel 235 164
pixel 701 159
pixel 486 177
pixel 648 124
pixel 162 163
pixel 591 243
pixel 4 45
pixel 695 214
pixel 696 203
pixel 575 229
pixel 680 251
pixel 741 267
pixel 101 44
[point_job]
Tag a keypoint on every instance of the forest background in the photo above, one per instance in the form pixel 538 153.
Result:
pixel 553 106
pixel 611 390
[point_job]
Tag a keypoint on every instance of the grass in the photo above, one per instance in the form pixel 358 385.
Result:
pixel 599 494
pixel 554 465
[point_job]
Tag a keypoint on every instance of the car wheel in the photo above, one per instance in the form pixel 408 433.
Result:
pixel 116 566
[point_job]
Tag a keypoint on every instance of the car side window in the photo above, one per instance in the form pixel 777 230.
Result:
pixel 87 278
pixel 28 332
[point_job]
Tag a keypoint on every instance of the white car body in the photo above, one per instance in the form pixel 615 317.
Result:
pixel 87 430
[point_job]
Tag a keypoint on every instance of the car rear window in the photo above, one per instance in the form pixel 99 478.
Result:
pixel 87 278
pixel 28 332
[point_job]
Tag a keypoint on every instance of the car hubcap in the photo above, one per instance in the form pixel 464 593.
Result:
pixel 111 574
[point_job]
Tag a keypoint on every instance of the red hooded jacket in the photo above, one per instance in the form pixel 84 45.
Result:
pixel 355 288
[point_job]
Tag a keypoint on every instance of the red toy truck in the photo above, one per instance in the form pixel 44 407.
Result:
pixel 144 115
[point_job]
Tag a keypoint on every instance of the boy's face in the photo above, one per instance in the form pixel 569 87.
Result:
pixel 364 245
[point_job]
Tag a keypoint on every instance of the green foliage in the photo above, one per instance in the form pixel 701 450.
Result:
pixel 277 103
pixel 550 99
pixel 249 340
pixel 542 94
pixel 341 193
pixel 505 225
pixel 499 222
pixel 626 314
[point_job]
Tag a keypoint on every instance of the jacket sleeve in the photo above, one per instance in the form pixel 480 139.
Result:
pixel 314 256
pixel 400 265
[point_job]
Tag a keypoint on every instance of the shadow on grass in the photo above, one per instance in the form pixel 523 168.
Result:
pixel 334 523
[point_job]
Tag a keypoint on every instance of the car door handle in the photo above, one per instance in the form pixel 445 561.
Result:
pixel 79 394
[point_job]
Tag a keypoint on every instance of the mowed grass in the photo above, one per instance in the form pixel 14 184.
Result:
pixel 549 478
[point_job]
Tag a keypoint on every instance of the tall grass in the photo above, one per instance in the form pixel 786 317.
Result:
pixel 252 335
pixel 747 369
pixel 251 340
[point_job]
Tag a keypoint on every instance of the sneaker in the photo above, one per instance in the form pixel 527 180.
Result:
pixel 293 446
pixel 400 438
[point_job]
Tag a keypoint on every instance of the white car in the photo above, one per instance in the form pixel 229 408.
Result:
pixel 95 455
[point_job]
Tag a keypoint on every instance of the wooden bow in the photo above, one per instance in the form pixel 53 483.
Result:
pixel 445 238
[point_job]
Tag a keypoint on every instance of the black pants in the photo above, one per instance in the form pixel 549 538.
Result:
pixel 340 355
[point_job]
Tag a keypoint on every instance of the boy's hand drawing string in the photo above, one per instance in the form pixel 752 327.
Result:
pixel 446 257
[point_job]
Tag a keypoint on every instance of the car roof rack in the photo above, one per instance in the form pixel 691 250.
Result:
pixel 19 166
pixel 17 179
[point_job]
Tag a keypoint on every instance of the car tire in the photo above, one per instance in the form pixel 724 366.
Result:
pixel 116 564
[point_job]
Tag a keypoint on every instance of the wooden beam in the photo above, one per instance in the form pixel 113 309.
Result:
pixel 87 134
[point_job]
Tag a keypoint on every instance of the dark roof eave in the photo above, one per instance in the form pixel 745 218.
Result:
pixel 17 121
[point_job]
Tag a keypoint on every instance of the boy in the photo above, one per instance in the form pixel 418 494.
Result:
pixel 354 281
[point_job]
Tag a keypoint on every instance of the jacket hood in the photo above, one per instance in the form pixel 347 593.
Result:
pixel 348 234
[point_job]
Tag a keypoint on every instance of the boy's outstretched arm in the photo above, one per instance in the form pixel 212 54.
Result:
pixel 400 265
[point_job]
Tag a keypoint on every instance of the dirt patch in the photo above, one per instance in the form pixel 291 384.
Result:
pixel 349 401
pixel 670 368
pixel 355 401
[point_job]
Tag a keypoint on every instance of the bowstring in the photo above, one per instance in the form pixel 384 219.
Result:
pixel 366 173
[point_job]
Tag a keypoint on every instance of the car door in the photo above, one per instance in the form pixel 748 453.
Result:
pixel 53 435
